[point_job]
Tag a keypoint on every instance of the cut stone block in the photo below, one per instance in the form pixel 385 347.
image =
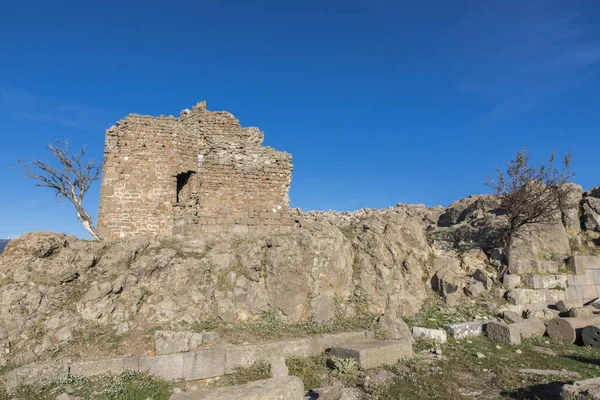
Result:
pixel 109 366
pixel 595 276
pixel 531 328
pixel 584 280
pixel 168 366
pixel 589 292
pixel 169 342
pixel 520 266
pixel 554 295
pixel 431 334
pixel 547 267
pixel 465 329
pixel 581 312
pixel 565 305
pixel 590 335
pixel 574 293
pixel 546 281
pixel 526 296
pixel 203 364
pixel 374 353
pixel 511 281
pixel 279 368
pixel 288 388
pixel 579 264
pixel 501 332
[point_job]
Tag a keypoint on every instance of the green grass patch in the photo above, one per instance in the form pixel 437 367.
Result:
pixel 242 376
pixel 126 386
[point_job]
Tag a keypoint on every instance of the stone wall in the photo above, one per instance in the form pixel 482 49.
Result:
pixel 201 172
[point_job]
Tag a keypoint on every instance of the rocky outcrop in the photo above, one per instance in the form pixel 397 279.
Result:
pixel 55 289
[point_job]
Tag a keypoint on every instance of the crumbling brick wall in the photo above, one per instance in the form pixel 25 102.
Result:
pixel 201 172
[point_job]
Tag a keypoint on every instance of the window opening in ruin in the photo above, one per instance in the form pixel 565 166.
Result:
pixel 184 187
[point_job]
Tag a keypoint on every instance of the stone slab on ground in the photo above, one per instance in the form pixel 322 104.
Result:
pixel 204 364
pixel 374 353
pixel 501 332
pixel 284 388
pixel 171 342
pixel 465 329
pixel 581 311
pixel 588 389
pixel 431 334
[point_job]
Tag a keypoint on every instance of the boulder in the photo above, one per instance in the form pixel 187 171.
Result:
pixel 531 328
pixel 475 289
pixel 395 326
pixel 588 389
pixel 482 276
pixel 511 281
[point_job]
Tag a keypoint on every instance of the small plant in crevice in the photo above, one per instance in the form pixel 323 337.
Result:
pixel 344 366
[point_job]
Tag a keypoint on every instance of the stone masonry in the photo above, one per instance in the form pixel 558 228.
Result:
pixel 201 172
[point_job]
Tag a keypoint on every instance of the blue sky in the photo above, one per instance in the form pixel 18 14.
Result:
pixel 379 102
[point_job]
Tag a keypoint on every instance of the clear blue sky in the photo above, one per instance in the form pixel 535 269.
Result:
pixel 379 102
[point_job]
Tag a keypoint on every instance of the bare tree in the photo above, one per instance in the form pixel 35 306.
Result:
pixel 71 180
pixel 529 195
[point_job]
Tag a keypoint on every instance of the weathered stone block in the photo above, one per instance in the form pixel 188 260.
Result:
pixel 574 293
pixel 429 334
pixel 465 329
pixel 531 328
pixel 547 267
pixel 565 305
pixel 169 342
pixel 546 281
pixel 525 296
pixel 589 292
pixel 521 266
pixel 501 332
pixel 511 281
pixel 30 374
pixel 581 311
pixel 374 353
pixel 285 388
pixel 169 366
pixel 579 264
pixel 108 366
pixel 556 294
pixel 203 364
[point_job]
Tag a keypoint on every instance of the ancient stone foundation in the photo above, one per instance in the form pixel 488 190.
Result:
pixel 201 172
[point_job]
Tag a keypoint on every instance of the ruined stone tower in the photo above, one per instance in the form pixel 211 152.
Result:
pixel 201 172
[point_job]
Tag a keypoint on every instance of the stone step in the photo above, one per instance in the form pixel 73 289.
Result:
pixel 289 387
pixel 374 353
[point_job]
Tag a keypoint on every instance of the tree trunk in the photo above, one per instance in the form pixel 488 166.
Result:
pixel 87 222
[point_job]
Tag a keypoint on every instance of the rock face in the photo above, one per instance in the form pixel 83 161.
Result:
pixel 58 286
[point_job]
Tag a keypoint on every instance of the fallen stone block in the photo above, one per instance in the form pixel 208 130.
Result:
pixel 588 389
pixel 581 312
pixel 465 329
pixel 501 332
pixel 288 388
pixel 169 342
pixel 590 335
pixel 430 334
pixel 569 329
pixel 565 305
pixel 531 328
pixel 475 289
pixel 374 353
pixel 511 316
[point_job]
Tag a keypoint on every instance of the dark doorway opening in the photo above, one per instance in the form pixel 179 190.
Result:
pixel 184 187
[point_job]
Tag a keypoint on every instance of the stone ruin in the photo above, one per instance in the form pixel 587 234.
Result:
pixel 201 172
